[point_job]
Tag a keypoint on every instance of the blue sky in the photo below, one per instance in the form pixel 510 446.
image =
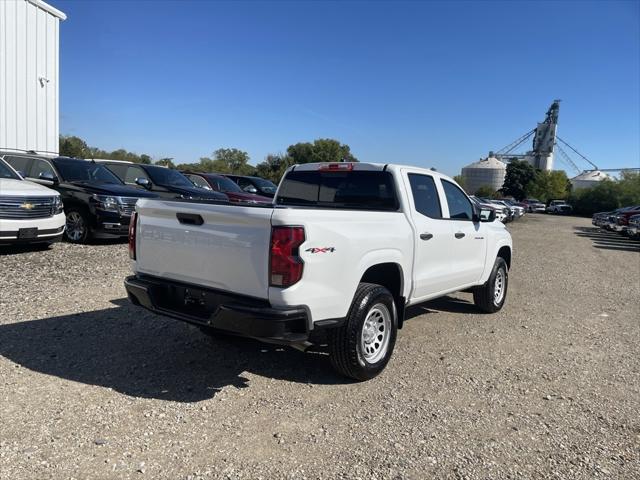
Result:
pixel 422 83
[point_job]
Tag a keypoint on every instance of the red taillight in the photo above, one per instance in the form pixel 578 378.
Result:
pixel 336 167
pixel 285 265
pixel 132 235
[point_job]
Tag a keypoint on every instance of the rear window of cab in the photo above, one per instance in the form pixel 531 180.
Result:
pixel 353 189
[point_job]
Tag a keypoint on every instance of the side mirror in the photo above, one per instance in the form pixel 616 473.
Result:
pixel 487 215
pixel 49 177
pixel 483 214
pixel 250 189
pixel 21 173
pixel 143 182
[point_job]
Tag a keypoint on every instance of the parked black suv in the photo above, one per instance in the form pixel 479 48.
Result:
pixel 255 185
pixel 164 182
pixel 96 203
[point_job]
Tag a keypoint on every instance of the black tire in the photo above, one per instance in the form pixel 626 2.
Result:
pixel 485 296
pixel 346 343
pixel 77 229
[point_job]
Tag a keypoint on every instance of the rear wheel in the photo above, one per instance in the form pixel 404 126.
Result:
pixel 362 347
pixel 491 296
pixel 77 230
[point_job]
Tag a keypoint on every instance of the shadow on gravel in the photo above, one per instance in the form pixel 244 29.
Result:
pixel 443 304
pixel 608 240
pixel 143 355
pixel 20 249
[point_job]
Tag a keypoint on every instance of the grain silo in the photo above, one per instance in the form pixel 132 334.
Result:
pixel 588 179
pixel 488 172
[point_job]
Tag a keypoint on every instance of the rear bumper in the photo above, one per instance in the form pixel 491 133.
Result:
pixel 237 314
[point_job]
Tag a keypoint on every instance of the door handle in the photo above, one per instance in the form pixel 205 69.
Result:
pixel 459 235
pixel 189 218
pixel 426 236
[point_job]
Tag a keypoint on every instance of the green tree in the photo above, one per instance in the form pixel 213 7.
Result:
pixel 607 195
pixel 519 175
pixel 146 159
pixel 629 188
pixel 485 191
pixel 225 160
pixel 166 162
pixel 273 167
pixel 460 181
pixel 72 146
pixel 321 150
pixel 232 160
pixel 548 185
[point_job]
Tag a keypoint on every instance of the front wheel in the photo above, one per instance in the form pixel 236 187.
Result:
pixel 77 230
pixel 491 296
pixel 362 347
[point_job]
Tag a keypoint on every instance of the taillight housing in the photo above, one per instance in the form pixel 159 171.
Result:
pixel 132 235
pixel 285 264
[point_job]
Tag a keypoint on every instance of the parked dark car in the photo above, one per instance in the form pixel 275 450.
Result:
pixel 255 185
pixel 164 182
pixel 220 183
pixel 634 227
pixel 96 203
pixel 620 221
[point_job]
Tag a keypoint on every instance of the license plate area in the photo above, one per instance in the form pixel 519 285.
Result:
pixel 187 300
pixel 27 233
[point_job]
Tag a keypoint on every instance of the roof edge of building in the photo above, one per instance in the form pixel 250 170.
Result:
pixel 48 8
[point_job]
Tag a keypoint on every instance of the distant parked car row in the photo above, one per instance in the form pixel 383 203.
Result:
pixel 506 209
pixel 43 198
pixel 625 221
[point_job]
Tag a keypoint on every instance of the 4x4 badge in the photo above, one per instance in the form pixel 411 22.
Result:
pixel 320 250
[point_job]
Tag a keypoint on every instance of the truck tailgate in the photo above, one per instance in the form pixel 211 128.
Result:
pixel 228 251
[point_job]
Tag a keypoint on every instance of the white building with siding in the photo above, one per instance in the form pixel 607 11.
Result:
pixel 29 72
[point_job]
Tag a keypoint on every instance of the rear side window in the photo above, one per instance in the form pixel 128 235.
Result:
pixel 134 173
pixel 119 170
pixel 367 190
pixel 198 181
pixel 6 172
pixel 39 167
pixel 425 195
pixel 459 205
pixel 19 164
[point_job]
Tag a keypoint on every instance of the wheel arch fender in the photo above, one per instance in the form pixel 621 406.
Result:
pixel 502 248
pixel 386 267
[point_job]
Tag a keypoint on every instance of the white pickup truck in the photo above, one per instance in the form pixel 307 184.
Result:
pixel 336 259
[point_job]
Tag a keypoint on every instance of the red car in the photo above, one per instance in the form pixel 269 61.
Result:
pixel 220 183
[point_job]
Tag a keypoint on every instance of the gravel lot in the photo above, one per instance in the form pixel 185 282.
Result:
pixel 91 387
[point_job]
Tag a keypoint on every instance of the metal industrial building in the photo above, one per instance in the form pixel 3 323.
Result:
pixel 29 90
